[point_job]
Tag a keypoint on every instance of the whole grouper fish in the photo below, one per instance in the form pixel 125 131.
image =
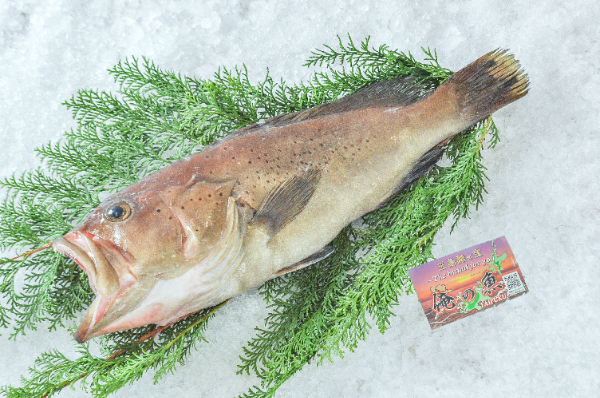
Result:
pixel 267 199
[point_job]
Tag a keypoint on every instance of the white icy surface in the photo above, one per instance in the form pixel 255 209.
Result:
pixel 543 193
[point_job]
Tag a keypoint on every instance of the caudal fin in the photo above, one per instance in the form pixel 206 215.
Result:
pixel 488 84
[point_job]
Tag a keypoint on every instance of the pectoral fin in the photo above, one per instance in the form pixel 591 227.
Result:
pixel 286 201
pixel 313 258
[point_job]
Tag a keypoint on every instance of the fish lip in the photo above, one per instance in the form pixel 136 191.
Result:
pixel 82 334
pixel 79 256
pixel 123 256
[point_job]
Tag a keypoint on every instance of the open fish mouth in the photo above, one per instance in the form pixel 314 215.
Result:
pixel 111 283
pixel 81 247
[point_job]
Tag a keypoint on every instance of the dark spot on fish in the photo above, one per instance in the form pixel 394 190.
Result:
pixel 191 200
pixel 182 207
pixel 251 150
pixel 170 218
pixel 196 230
pixel 209 195
pixel 367 140
pixel 345 147
pixel 221 194
pixel 249 162
pixel 233 158
pixel 158 210
pixel 321 144
pixel 199 198
pixel 258 157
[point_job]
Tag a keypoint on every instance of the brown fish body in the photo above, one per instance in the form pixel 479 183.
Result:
pixel 268 199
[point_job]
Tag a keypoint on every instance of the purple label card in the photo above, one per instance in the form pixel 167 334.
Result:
pixel 467 282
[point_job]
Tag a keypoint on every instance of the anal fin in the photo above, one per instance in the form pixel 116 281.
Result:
pixel 313 258
pixel 286 201
pixel 419 169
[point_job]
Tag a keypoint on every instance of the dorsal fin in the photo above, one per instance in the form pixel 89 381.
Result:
pixel 402 91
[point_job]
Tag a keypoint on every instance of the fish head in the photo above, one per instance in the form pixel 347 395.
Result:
pixel 137 238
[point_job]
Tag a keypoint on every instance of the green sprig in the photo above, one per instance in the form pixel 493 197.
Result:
pixel 155 118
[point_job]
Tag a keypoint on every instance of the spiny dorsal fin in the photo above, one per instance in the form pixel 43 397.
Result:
pixel 402 91
pixel 286 201
pixel 313 258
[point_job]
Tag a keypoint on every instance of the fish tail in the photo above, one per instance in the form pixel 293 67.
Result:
pixel 486 85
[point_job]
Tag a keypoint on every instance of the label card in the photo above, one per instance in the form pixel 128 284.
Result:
pixel 467 282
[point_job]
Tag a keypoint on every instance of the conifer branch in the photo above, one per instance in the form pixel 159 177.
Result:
pixel 30 252
pixel 155 118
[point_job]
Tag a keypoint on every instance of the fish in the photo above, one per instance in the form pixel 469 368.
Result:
pixel 268 199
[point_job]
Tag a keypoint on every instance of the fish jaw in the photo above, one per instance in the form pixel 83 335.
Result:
pixel 106 313
pixel 118 291
pixel 88 327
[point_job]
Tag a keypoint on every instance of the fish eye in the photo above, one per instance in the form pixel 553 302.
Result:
pixel 119 212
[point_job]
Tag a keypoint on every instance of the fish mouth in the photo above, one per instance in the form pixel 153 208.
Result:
pixel 110 277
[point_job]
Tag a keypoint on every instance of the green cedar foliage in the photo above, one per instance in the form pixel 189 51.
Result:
pixel 157 117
